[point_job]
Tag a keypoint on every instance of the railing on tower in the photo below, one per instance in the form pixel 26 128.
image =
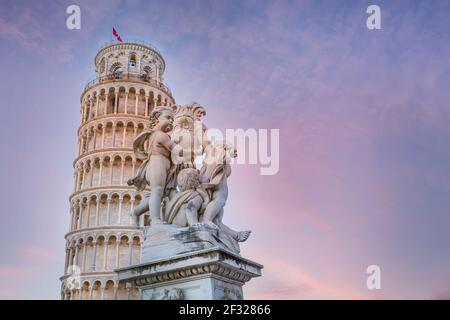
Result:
pixel 127 76
pixel 130 41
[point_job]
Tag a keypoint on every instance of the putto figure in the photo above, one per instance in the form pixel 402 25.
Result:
pixel 157 170
pixel 181 195
pixel 198 204
pixel 185 206
pixel 215 172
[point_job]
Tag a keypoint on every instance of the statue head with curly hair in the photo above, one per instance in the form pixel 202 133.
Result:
pixel 188 179
pixel 161 118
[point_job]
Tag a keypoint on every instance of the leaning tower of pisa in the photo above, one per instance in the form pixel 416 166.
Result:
pixel 115 107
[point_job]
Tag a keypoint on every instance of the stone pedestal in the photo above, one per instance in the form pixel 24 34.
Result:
pixel 185 263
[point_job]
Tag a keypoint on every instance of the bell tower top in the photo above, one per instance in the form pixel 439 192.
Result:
pixel 130 58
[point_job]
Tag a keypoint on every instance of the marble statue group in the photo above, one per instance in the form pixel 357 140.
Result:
pixel 180 194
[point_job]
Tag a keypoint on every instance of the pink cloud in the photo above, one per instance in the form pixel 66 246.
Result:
pixel 37 253
pixel 15 272
pixel 285 280
pixel 32 266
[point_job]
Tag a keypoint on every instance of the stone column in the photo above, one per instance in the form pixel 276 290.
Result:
pixel 95 139
pixel 94 254
pixel 85 172
pixel 83 112
pixel 81 115
pixel 85 207
pixel 108 210
pixel 132 204
pixel 75 179
pixel 77 183
pixel 146 105
pixel 111 162
pixel 97 105
pixel 102 294
pixel 83 267
pixel 105 253
pixel 113 135
pixel 91 108
pixel 77 248
pixel 103 136
pixel 79 146
pixel 81 177
pixel 88 110
pixel 117 252
pixel 120 210
pixel 97 209
pixel 116 103
pixel 115 291
pixel 86 145
pixel 76 221
pixel 128 286
pixel 91 180
pixel 86 113
pixel 100 173
pixel 126 102
pixel 136 105
pixel 130 251
pixel 124 135
pixel 122 170
pixel 71 218
pixel 79 216
pixel 88 214
pixel 71 256
pixel 75 217
pixel 106 102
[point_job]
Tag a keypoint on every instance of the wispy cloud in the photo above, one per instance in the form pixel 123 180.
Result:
pixel 35 34
pixel 285 280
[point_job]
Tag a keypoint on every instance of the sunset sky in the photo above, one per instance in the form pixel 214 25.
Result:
pixel 364 134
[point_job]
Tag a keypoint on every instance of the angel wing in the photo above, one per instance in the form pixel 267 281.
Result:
pixel 139 145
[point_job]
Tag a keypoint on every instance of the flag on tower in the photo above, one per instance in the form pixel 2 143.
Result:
pixel 116 35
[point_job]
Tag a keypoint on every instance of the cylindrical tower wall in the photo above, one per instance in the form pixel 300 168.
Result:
pixel 115 108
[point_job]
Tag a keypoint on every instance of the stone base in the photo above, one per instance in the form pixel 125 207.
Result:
pixel 167 240
pixel 207 274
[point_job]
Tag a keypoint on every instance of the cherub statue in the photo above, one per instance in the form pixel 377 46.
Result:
pixel 215 172
pixel 187 208
pixel 157 170
pixel 184 207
